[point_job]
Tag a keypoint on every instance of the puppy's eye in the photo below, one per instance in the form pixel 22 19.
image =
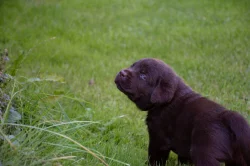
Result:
pixel 143 76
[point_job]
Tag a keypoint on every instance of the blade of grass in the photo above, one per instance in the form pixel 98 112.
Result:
pixel 61 135
pixel 79 150
pixel 66 123
pixel 67 97
pixel 7 139
pixel 7 110
pixel 53 159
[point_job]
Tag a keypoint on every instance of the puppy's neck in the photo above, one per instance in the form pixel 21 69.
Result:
pixel 183 93
pixel 182 90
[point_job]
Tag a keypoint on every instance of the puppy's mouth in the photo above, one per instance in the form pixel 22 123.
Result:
pixel 130 95
pixel 120 88
pixel 123 90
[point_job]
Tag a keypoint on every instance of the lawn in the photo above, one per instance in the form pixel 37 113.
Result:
pixel 56 48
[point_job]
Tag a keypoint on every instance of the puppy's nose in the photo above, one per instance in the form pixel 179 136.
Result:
pixel 123 73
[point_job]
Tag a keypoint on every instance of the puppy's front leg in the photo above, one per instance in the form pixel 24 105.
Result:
pixel 157 155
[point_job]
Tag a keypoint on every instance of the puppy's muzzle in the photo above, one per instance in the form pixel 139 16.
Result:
pixel 122 76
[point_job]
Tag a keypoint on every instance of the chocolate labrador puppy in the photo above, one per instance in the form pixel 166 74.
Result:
pixel 197 129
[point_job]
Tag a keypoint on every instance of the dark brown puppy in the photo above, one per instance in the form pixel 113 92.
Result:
pixel 197 129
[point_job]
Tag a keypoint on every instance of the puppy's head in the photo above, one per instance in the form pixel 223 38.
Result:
pixel 148 83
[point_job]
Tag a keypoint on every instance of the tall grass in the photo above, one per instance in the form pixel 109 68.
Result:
pixel 25 142
pixel 36 138
pixel 44 141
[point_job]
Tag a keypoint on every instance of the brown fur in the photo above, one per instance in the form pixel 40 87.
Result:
pixel 197 129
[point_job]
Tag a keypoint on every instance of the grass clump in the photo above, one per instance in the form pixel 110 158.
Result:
pixel 28 133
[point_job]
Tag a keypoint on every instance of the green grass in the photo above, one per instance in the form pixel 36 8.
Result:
pixel 67 43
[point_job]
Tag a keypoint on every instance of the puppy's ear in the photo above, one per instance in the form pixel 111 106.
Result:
pixel 164 90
